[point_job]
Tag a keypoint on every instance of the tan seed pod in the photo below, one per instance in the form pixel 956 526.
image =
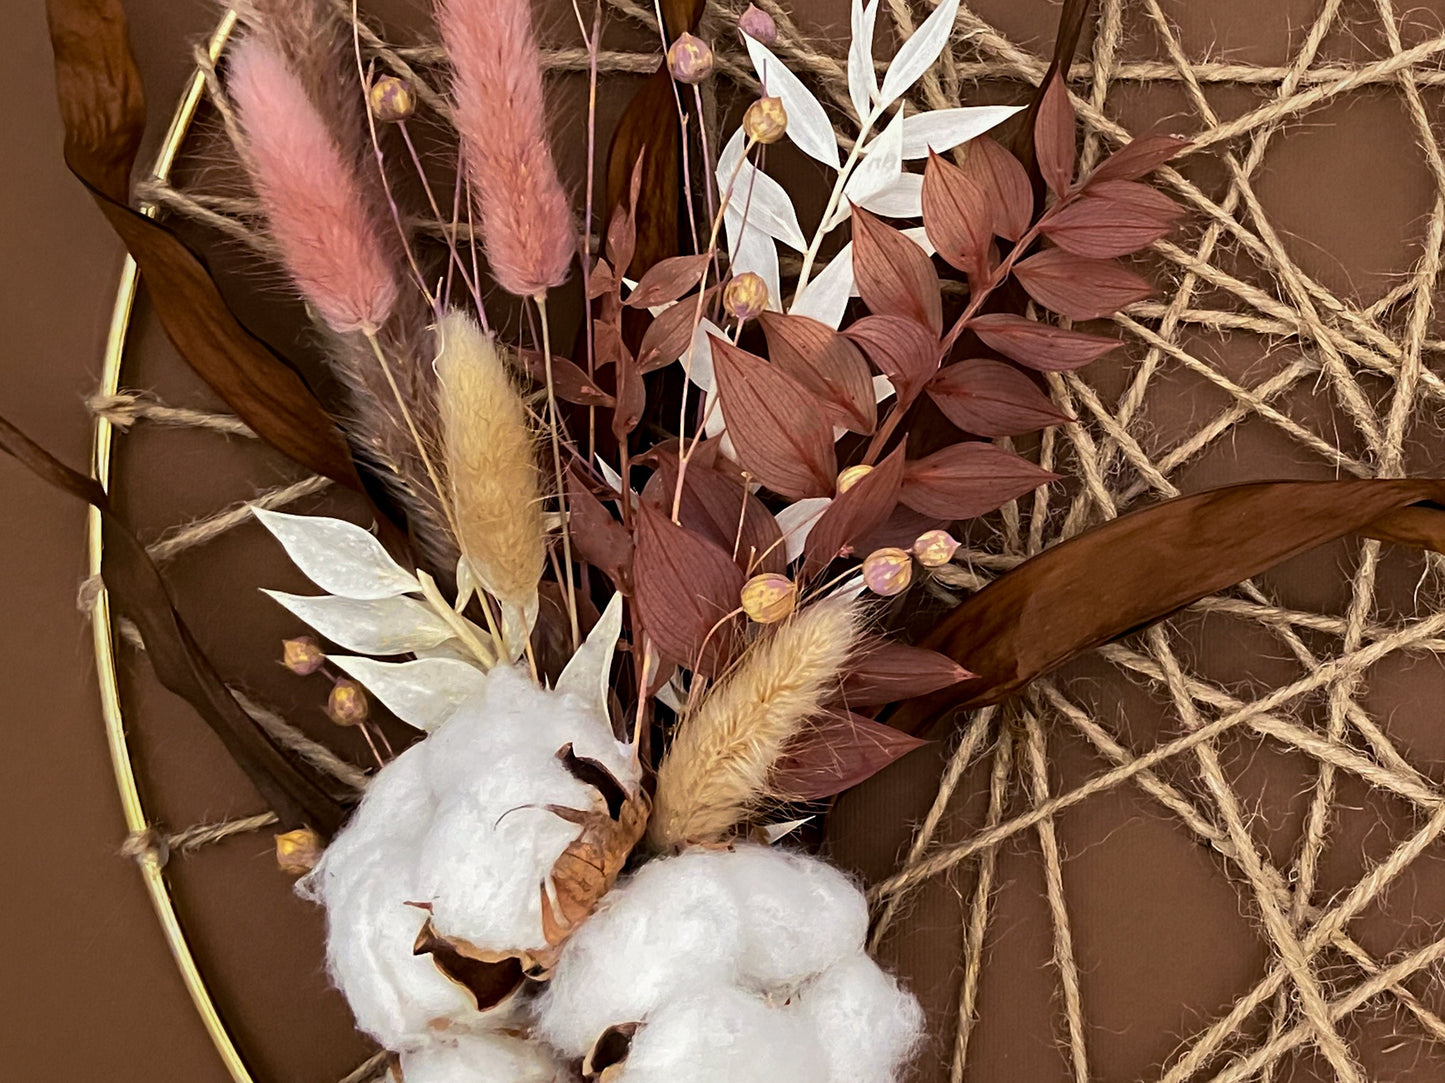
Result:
pixel 746 296
pixel 347 706
pixel 391 99
pixel 888 571
pixel 690 59
pixel 303 656
pixel 852 476
pixel 297 852
pixel 935 548
pixel 766 120
pixel 769 597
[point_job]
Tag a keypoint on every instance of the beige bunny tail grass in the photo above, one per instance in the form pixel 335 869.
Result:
pixel 491 462
pixel 716 771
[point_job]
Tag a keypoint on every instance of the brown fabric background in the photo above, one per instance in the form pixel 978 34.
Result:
pixel 88 989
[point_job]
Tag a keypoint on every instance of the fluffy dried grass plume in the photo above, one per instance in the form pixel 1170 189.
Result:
pixel 329 239
pixel 491 463
pixel 527 228
pixel 716 771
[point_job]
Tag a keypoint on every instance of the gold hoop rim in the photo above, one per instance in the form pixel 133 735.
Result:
pixel 102 626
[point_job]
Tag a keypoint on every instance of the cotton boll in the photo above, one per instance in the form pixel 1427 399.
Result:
pixel 866 1025
pixel 673 927
pixel 800 914
pixel 482 1058
pixel 724 1036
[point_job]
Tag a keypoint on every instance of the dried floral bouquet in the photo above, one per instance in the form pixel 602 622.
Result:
pixel 634 580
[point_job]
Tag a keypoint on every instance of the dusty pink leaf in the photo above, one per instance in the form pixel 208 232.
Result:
pixel 894 276
pixel 890 672
pixel 668 336
pixel 967 480
pixel 598 538
pixel 667 280
pixel 1005 185
pixel 826 363
pixel 1054 136
pixel 1113 218
pixel 903 349
pixel 855 514
pixel 837 752
pixel 570 382
pixel 1143 155
pixel 1077 287
pixel 779 428
pixel 684 585
pixel 1037 345
pixel 719 508
pixel 990 398
pixel 957 216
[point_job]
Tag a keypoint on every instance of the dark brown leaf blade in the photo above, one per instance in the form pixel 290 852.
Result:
pixel 1139 568
pixel 989 398
pixel 1143 155
pixel 102 107
pixel 891 672
pixel 967 480
pixel 289 786
pixel 855 514
pixel 667 337
pixel 1054 136
pixel 1113 218
pixel 685 585
pixel 1037 345
pixel 1005 185
pixel 903 349
pixel 894 276
pixel 1079 288
pixel 826 363
pixel 667 280
pixel 839 751
pixel 779 429
pixel 957 216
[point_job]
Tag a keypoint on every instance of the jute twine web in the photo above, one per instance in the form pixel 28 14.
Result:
pixel 1369 360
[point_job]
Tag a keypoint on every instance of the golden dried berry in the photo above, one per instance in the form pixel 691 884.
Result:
pixel 298 851
pixel 852 476
pixel 769 597
pixel 888 571
pixel 346 706
pixel 391 99
pixel 935 548
pixel 302 655
pixel 690 59
pixel 766 120
pixel 746 296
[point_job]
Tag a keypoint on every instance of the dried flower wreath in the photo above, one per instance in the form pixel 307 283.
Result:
pixel 576 867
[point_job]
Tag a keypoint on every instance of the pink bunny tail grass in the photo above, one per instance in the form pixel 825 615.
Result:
pixel 329 241
pixel 526 218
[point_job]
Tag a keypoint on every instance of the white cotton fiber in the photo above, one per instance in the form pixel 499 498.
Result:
pixel 481 1058
pixel 724 1036
pixel 456 823
pixel 800 915
pixel 864 1023
pixel 672 927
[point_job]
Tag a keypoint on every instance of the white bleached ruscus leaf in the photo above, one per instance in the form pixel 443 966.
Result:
pixel 825 297
pixel 901 199
pixel 880 170
pixel 797 520
pixel 862 78
pixel 339 557
pixel 918 53
pixel 756 197
pixel 588 672
pixel 396 625
pixel 423 693
pixel 944 129
pixel 808 124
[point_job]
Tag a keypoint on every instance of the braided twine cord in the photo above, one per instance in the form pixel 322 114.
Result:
pixel 1370 362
